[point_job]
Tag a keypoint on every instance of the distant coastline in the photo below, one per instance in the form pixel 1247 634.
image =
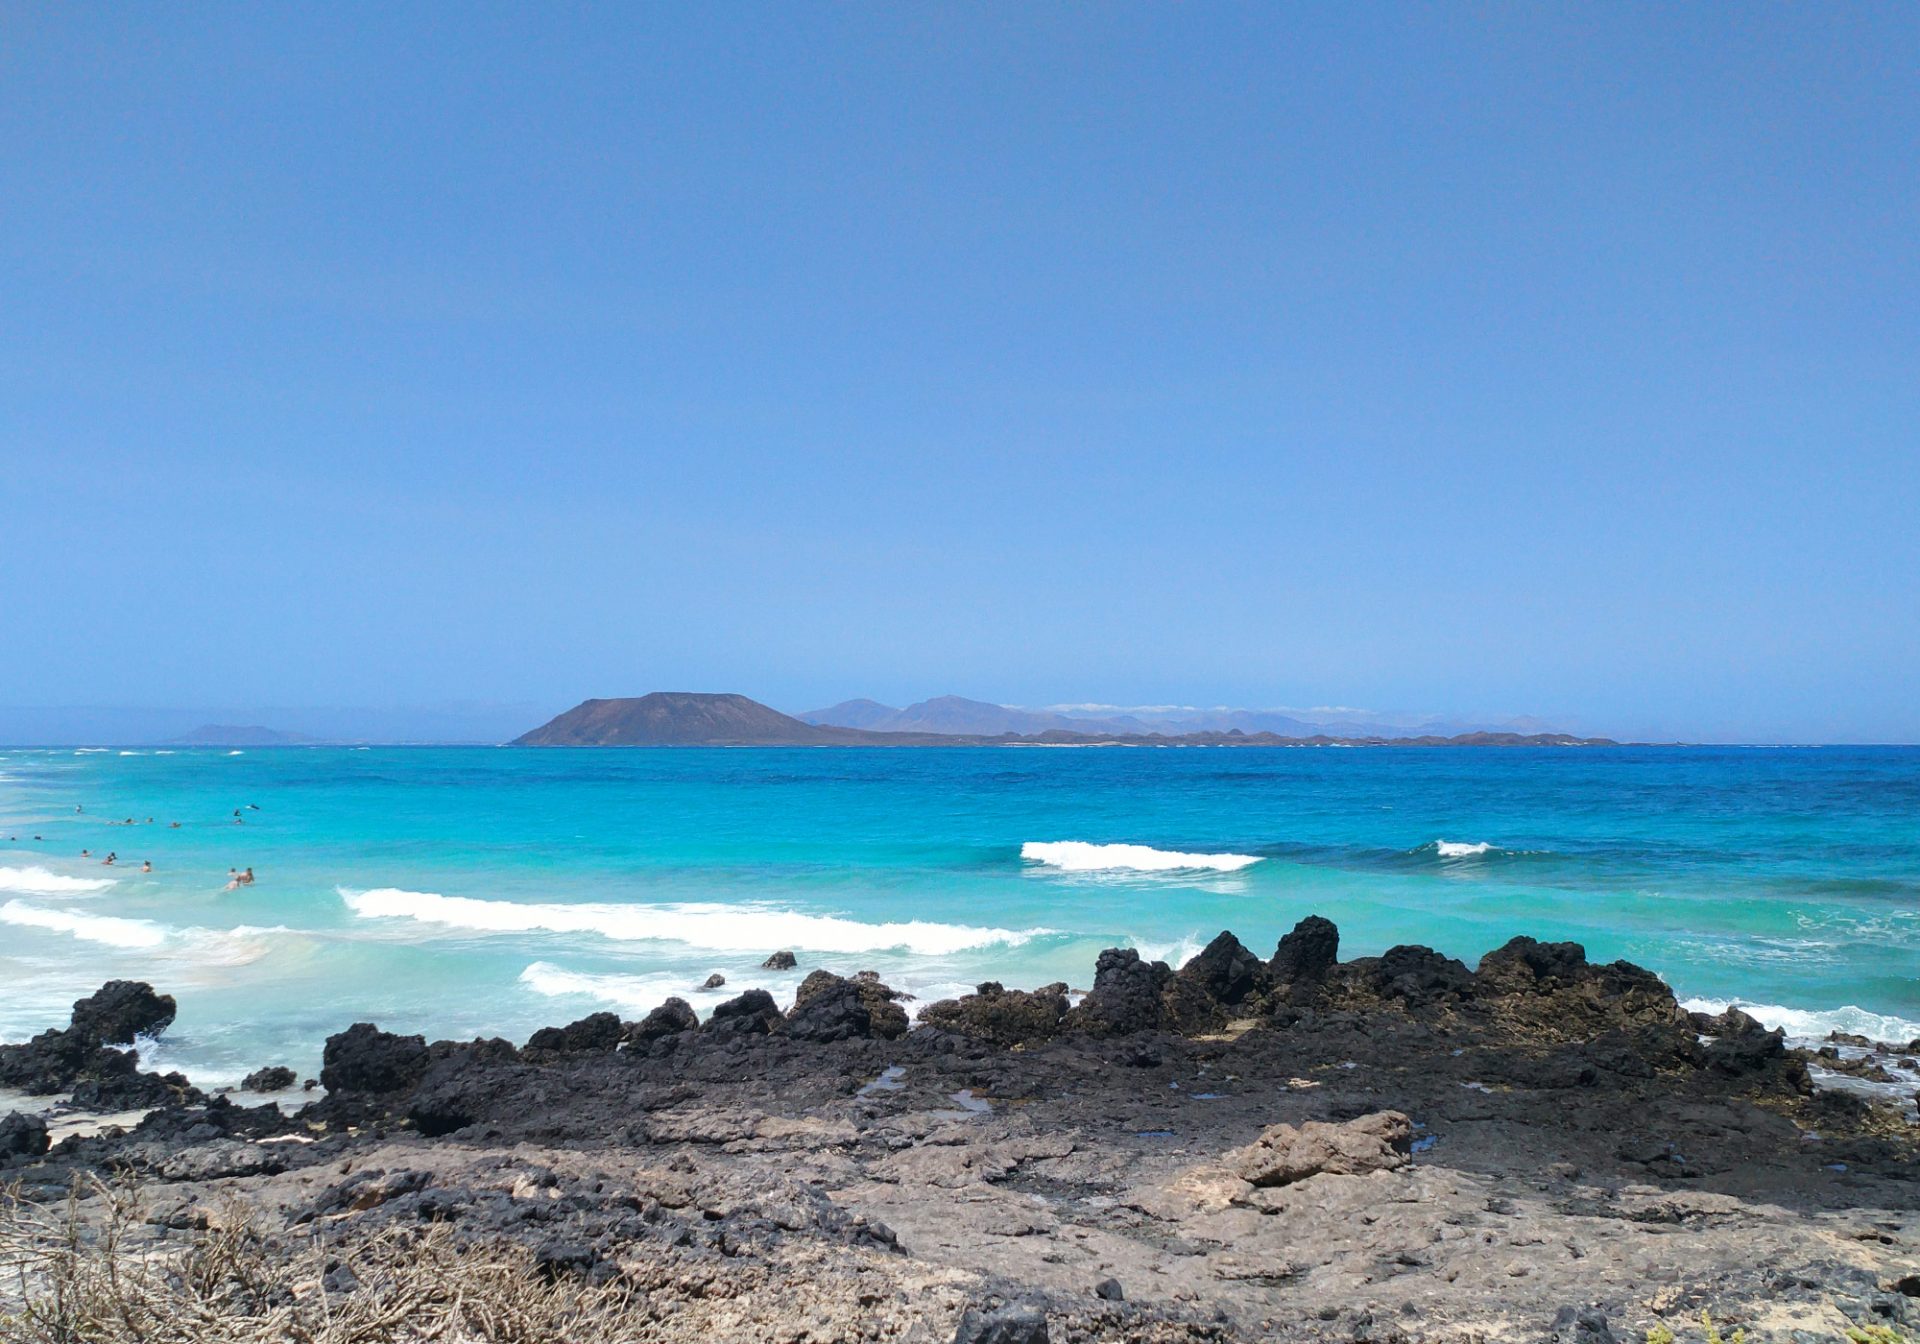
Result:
pixel 707 719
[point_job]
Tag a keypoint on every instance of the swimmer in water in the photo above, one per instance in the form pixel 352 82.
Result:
pixel 146 865
pixel 247 877
pixel 176 825
pixel 86 853
pixel 233 878
pixel 111 856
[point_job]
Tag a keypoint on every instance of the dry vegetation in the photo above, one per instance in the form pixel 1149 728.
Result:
pixel 92 1269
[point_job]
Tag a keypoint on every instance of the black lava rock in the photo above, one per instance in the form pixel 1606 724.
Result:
pixel 23 1136
pixel 591 1034
pixel 364 1058
pixel 120 1010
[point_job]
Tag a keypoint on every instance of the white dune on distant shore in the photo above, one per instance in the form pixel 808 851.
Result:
pixel 1080 856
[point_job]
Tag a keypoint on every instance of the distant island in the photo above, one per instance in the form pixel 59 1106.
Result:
pixel 232 735
pixel 702 719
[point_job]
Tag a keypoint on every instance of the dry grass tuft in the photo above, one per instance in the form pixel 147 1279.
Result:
pixel 89 1271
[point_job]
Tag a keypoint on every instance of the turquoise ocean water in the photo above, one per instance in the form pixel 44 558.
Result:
pixel 462 891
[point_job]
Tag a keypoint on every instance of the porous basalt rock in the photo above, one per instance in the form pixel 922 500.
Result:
pixel 120 1010
pixel 753 1013
pixel 669 1019
pixel 1204 993
pixel 364 1058
pixel 594 1032
pixel 23 1136
pixel 831 1010
pixel 82 1055
pixel 1000 1016
pixel 831 1007
pixel 1125 998
pixel 779 961
pixel 1283 1154
pixel 1414 976
pixel 1304 955
pixel 1553 988
pixel 273 1078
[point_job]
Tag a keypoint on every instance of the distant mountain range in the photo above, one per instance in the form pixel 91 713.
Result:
pixel 692 718
pixel 955 714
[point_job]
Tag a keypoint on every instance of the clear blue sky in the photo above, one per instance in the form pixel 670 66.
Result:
pixel 1530 359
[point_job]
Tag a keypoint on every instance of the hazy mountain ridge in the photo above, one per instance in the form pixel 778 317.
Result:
pixel 953 714
pixel 692 718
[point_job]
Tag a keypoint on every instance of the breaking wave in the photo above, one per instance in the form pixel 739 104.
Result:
pixel 1814 1024
pixel 726 928
pixel 38 881
pixel 635 994
pixel 1176 954
pixel 1456 849
pixel 129 933
pixel 194 952
pixel 1078 856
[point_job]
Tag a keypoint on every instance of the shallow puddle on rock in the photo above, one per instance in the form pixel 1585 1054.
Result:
pixel 888 1081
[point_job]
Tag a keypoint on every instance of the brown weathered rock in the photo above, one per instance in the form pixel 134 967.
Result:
pixel 1283 1154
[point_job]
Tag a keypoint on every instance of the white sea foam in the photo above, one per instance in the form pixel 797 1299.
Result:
pixel 37 881
pixel 636 994
pixel 1079 856
pixel 1812 1024
pixel 107 929
pixel 196 951
pixel 1175 954
pixel 633 994
pixel 740 928
pixel 1455 849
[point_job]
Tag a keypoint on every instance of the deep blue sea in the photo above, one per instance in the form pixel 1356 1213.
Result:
pixel 463 891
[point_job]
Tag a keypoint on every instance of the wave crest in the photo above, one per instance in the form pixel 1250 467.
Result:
pixel 1080 856
pixel 1814 1024
pixel 38 881
pixel 107 929
pixel 725 928
pixel 633 994
pixel 1458 849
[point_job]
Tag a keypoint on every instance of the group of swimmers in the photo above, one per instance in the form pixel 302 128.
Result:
pixel 235 877
pixel 146 865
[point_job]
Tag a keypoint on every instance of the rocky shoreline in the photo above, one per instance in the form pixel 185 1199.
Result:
pixel 1246 1148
